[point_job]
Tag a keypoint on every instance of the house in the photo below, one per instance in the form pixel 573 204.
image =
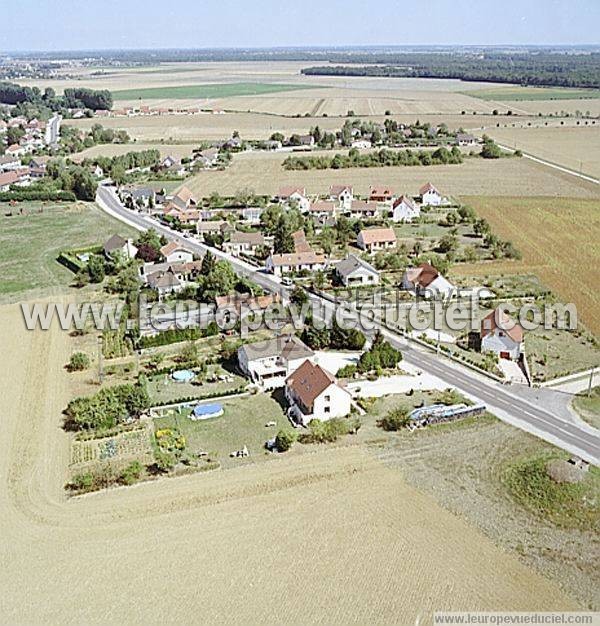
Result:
pixel 213 227
pixel 7 179
pixel 250 303
pixel 430 196
pixel 375 239
pixel 361 144
pixel 405 210
pixel 355 271
pixel 502 335
pixel 344 194
pixel 280 264
pixel 306 140
pixel 314 393
pixel 251 214
pixel 119 245
pixel 15 150
pixel 268 363
pixel 294 194
pixel 361 209
pixel 301 245
pixel 140 196
pixel 243 243
pixel 39 162
pixel 464 139
pixel 164 282
pixel 323 208
pixel 168 162
pixel 184 198
pixel 426 281
pixel 9 162
pixel 174 252
pixel 207 158
pixel 380 194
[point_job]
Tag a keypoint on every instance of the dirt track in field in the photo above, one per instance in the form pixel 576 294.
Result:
pixel 333 537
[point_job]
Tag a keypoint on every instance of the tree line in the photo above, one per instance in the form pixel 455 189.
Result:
pixel 73 98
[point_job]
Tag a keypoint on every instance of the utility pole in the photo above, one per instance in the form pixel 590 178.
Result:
pixel 100 363
pixel 589 393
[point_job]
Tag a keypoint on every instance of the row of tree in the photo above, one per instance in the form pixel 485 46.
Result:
pixel 73 98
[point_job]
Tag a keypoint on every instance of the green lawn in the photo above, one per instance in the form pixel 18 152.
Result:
pixel 242 423
pixel 589 407
pixel 205 91
pixel 30 243
pixel 533 93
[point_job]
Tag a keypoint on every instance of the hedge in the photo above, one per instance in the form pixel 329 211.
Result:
pixel 37 195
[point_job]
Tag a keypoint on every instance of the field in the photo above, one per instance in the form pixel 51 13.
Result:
pixel 116 149
pixel 550 234
pixel 31 242
pixel 203 91
pixel 577 148
pixel 533 93
pixel 589 407
pixel 208 532
pixel 263 173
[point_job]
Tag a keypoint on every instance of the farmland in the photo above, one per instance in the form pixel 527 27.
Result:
pixel 515 93
pixel 192 525
pixel 203 91
pixel 31 242
pixel 263 173
pixel 551 233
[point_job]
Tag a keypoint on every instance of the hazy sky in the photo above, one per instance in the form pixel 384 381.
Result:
pixel 86 24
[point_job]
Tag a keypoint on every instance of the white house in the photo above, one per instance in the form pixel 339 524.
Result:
pixel 174 252
pixel 243 243
pixel 502 335
pixel 294 194
pixel 165 282
pixel 405 210
pixel 280 264
pixel 268 363
pixel 355 271
pixel 118 244
pixel 376 239
pixel 427 282
pixel 361 144
pixel 343 194
pixel 314 393
pixel 430 196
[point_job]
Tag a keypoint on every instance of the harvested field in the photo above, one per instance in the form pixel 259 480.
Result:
pixel 314 518
pixel 550 234
pixel 575 147
pixel 263 173
pixel 116 149
pixel 518 93
pixel 557 107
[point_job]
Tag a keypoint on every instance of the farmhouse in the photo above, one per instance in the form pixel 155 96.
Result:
pixel 502 335
pixel 343 194
pixel 404 209
pixel 355 271
pixel 314 393
pixel 294 194
pixel 426 281
pixel 375 239
pixel 380 194
pixel 280 264
pixel 430 196
pixel 268 363
pixel 246 243
pixel 118 245
pixel 174 252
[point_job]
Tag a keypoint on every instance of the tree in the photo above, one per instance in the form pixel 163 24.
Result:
pixel 284 440
pixel 277 137
pixel 131 474
pixel 189 355
pixel 96 268
pixel 78 361
pixel 14 135
pixel 298 296
pixel 164 461
pixel 208 263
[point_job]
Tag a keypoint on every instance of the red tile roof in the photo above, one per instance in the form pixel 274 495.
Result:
pixel 499 319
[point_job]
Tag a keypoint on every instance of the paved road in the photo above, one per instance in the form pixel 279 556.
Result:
pixel 507 403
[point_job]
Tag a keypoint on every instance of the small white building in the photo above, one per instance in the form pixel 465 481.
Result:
pixel 119 245
pixel 243 243
pixel 280 264
pixel 174 252
pixel 502 335
pixel 427 282
pixel 361 144
pixel 430 196
pixel 343 194
pixel 288 195
pixel 268 363
pixel 404 209
pixel 353 271
pixel 314 393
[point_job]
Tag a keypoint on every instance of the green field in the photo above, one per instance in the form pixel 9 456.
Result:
pixel 30 243
pixel 224 90
pixel 242 424
pixel 533 93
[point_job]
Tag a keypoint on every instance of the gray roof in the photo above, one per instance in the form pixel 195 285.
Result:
pixel 255 239
pixel 116 242
pixel 351 263
pixel 288 347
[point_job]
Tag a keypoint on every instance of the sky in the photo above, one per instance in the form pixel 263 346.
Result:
pixel 110 24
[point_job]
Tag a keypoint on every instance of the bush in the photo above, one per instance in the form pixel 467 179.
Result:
pixel 330 431
pixel 396 419
pixel 79 361
pixel 131 473
pixel 285 439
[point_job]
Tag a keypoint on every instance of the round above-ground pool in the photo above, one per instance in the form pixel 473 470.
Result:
pixel 206 411
pixel 182 376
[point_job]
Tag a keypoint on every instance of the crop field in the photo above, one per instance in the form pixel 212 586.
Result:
pixel 589 107
pixel 558 239
pixel 31 242
pixel 208 532
pixel 517 93
pixel 188 92
pixel 575 147
pixel 263 173
pixel 115 149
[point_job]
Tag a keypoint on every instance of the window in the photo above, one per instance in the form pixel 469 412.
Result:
pixel 327 409
pixel 327 398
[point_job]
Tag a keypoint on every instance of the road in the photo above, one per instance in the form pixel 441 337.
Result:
pixel 508 403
